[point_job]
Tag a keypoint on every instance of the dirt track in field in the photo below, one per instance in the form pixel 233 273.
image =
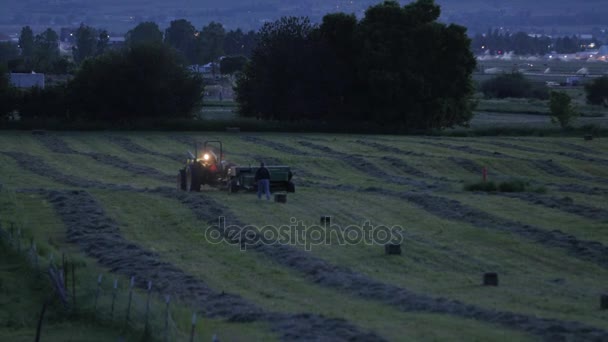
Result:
pixel 345 280
pixel 99 237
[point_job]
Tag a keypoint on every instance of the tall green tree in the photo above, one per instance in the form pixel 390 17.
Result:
pixel 46 47
pixel 85 43
pixel 278 82
pixel 182 36
pixel 212 42
pixel 562 110
pixel 145 81
pixel 26 42
pixel 103 42
pixel 144 33
pixel 236 42
pixel 415 71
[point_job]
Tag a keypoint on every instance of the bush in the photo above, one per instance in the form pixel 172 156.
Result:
pixel 50 102
pixel 481 186
pixel 514 185
pixel 8 96
pixel 513 85
pixel 562 110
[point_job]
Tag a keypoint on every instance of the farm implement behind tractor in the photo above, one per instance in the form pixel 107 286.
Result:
pixel 206 166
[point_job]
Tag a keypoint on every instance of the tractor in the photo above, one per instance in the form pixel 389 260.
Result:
pixel 206 166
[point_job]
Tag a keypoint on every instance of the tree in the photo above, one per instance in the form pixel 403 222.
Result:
pixel 9 51
pixel 46 50
pixel 514 85
pixel 212 42
pixel 562 110
pixel 145 81
pixel 278 83
pixel 85 43
pixel 232 64
pixel 26 42
pixel 103 42
pixel 182 36
pixel 597 91
pixel 413 71
pixel 238 43
pixel 144 33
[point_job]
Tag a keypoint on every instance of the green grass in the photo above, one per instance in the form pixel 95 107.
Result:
pixel 441 258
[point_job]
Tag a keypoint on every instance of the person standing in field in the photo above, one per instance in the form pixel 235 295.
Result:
pixel 262 177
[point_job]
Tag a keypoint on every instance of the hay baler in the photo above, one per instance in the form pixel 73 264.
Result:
pixel 206 166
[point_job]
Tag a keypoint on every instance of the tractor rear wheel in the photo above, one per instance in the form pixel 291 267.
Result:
pixel 181 180
pixel 193 182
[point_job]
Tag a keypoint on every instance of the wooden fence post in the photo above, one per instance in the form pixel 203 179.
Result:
pixel 168 300
pixel 97 293
pixel 193 327
pixel 113 298
pixel 148 305
pixel 73 285
pixel 130 298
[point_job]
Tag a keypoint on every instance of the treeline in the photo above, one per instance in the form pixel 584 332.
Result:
pixel 398 67
pixel 147 81
pixel 497 42
pixel 41 53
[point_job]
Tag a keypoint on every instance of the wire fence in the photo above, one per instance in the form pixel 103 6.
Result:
pixel 105 298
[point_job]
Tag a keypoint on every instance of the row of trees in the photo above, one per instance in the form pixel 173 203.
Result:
pixel 145 81
pixel 41 53
pixel 396 66
pixel 521 43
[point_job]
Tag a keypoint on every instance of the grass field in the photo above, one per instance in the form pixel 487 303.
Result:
pixel 108 200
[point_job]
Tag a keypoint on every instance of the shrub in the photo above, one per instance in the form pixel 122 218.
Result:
pixel 481 186
pixel 39 103
pixel 513 85
pixel 513 185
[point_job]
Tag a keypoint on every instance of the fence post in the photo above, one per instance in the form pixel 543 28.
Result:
pixel 35 255
pixel 113 298
pixel 130 298
pixel 73 285
pixel 168 300
pixel 193 327
pixel 148 305
pixel 40 319
pixel 97 293
pixel 18 239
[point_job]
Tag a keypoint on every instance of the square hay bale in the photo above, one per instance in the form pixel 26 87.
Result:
pixel 392 249
pixel 490 279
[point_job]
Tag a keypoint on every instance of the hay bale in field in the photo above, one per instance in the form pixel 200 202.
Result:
pixel 490 279
pixel 392 249
pixel 233 129
pixel 604 302
pixel 325 219
pixel 280 198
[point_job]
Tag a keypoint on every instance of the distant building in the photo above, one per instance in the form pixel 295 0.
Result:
pixel 20 80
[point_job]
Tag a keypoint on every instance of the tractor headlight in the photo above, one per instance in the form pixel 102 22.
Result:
pixel 206 156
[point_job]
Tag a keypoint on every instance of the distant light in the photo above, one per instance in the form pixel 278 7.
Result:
pixel 565 56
